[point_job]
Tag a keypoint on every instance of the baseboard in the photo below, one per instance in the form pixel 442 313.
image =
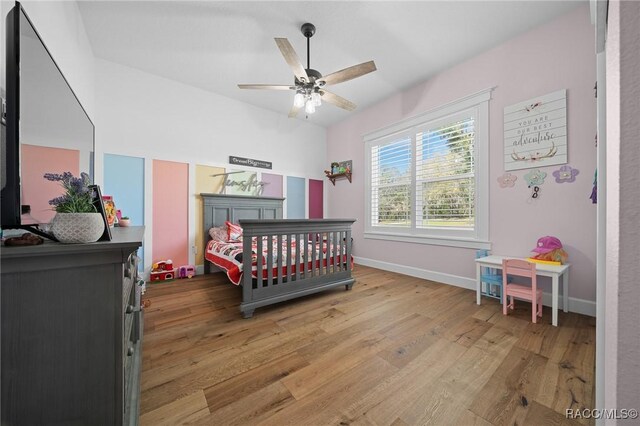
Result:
pixel 199 269
pixel 579 306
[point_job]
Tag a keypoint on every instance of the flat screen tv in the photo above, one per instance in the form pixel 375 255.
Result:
pixel 47 128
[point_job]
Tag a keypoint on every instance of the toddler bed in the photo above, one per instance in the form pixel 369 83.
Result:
pixel 297 256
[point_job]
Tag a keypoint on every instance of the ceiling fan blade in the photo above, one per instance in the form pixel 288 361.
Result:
pixel 266 86
pixel 294 111
pixel 292 59
pixel 338 101
pixel 349 73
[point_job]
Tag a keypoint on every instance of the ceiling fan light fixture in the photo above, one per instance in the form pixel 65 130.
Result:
pixel 298 100
pixel 310 107
pixel 316 99
pixel 309 83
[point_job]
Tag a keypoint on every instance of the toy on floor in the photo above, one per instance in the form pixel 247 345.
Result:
pixel 549 250
pixel 163 270
pixel 186 271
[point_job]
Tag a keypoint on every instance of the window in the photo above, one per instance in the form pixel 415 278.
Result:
pixel 427 177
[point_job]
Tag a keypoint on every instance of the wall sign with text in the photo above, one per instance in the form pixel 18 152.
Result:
pixel 241 161
pixel 242 182
pixel 535 132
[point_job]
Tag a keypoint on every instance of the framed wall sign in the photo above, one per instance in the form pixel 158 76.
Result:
pixel 535 132
pixel 249 162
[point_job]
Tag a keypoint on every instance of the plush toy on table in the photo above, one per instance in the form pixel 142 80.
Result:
pixel 549 250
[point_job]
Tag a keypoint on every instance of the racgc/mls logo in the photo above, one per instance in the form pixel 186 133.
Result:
pixel 606 413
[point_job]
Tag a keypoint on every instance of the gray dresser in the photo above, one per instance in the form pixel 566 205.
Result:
pixel 71 332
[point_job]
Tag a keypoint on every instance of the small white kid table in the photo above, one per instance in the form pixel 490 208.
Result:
pixel 544 270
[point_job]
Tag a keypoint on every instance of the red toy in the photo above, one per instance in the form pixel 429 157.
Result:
pixel 162 271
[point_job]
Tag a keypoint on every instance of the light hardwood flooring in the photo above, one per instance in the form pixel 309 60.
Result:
pixel 395 350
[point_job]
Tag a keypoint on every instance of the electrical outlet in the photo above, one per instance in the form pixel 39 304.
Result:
pixel 194 249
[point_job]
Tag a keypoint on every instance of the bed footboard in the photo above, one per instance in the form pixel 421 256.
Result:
pixel 312 255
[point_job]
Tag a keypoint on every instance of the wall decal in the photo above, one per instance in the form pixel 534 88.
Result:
pixel 535 132
pixel 535 192
pixel 535 178
pixel 507 180
pixel 566 174
pixel 240 182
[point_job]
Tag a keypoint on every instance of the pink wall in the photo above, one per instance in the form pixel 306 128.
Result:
pixel 559 55
pixel 36 190
pixel 316 199
pixel 170 212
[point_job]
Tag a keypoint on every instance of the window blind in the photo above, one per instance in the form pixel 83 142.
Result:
pixel 445 176
pixel 391 183
pixel 436 189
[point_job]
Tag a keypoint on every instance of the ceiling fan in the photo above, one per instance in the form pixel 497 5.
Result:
pixel 309 84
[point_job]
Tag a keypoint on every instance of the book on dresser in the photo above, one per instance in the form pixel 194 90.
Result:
pixel 71 332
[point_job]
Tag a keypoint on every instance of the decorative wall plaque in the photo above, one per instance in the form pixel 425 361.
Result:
pixel 535 132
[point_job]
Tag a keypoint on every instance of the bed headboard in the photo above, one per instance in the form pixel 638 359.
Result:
pixel 219 208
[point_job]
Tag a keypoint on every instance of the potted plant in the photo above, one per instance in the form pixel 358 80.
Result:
pixel 76 219
pixel 124 221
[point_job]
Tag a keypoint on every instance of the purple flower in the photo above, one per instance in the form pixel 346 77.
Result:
pixel 77 185
pixel 59 200
pixel 565 174
pixel 77 197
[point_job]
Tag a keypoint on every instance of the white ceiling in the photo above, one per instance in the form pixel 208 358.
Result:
pixel 215 45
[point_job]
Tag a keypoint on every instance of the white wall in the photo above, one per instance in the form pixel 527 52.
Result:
pixel 144 115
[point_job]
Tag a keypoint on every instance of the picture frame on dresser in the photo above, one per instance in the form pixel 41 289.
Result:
pixel 98 203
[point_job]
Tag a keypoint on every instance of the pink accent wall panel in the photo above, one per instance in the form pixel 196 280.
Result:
pixel 316 199
pixel 273 185
pixel 36 190
pixel 170 212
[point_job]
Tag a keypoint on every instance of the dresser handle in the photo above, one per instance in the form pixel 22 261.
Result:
pixel 130 351
pixel 129 309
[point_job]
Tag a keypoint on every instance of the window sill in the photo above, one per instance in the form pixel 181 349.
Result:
pixel 430 240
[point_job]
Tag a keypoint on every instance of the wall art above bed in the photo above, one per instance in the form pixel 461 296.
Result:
pixel 535 132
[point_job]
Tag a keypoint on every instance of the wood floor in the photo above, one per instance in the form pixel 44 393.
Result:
pixel 394 350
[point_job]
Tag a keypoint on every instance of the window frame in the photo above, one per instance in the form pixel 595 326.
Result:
pixel 476 106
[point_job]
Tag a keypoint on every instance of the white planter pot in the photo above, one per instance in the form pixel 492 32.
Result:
pixel 77 227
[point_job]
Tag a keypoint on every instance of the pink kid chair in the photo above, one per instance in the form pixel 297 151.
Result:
pixel 521 268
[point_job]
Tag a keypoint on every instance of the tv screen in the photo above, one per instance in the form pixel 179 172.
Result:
pixel 55 133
